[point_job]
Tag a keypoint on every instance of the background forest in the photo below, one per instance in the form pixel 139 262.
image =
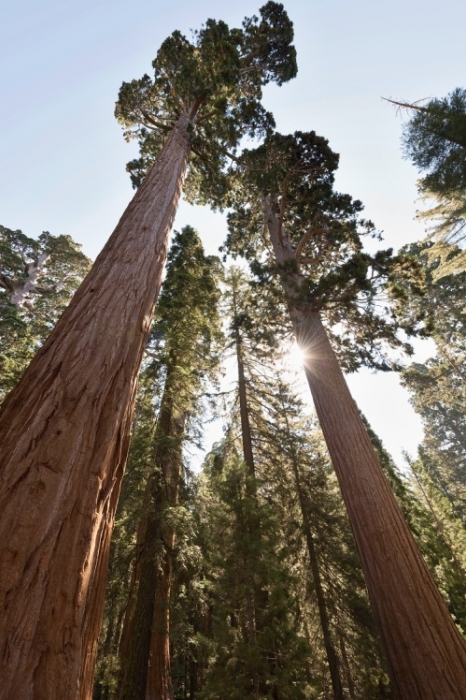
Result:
pixel 233 568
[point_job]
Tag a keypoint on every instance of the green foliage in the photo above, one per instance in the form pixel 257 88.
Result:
pixel 282 440
pixel 442 540
pixel 437 386
pixel 256 649
pixel 216 81
pixel 317 248
pixel 180 360
pixel 435 140
pixel 296 462
pixel 37 280
pixel 187 320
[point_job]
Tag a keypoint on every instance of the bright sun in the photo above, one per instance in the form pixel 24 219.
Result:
pixel 296 354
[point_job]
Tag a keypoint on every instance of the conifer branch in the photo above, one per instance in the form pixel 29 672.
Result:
pixel 408 105
pixel 157 124
pixel 305 239
pixel 207 116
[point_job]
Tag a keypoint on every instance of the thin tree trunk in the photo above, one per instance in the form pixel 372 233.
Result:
pixel 332 657
pixel 426 653
pixel 346 667
pixel 64 435
pixel 243 402
pixel 257 596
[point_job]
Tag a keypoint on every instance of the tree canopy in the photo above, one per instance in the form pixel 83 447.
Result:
pixel 217 79
pixel 434 139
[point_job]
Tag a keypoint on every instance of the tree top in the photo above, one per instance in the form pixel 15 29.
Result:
pixel 215 79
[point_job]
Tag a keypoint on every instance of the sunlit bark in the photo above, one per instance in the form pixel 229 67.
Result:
pixel 64 439
pixel 425 651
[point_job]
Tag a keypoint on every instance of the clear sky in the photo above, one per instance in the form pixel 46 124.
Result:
pixel 63 157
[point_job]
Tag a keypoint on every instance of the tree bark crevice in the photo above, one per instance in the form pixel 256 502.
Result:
pixel 85 374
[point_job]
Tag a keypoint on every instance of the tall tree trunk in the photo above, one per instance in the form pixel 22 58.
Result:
pixel 425 651
pixel 64 435
pixel 332 657
pixel 244 415
pixel 346 667
pixel 256 603
pixel 243 400
pixel 158 684
pixel 130 609
pixel 146 668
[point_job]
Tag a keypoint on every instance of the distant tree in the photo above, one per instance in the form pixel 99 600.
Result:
pixel 187 325
pixel 438 385
pixel 299 466
pixel 64 430
pixel 256 648
pixel 255 645
pixel 37 280
pixel 434 139
pixel 180 361
pixel 292 226
pixel 283 461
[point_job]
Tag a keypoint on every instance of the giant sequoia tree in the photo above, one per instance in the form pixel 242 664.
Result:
pixel 64 430
pixel 187 322
pixel 314 246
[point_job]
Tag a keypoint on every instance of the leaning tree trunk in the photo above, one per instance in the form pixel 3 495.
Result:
pixel 64 435
pixel 425 651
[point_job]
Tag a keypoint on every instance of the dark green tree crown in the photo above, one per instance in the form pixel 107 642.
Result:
pixel 442 307
pixel 216 80
pixel 292 177
pixel 435 140
pixel 38 277
pixel 186 328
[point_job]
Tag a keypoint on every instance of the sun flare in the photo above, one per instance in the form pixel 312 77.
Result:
pixel 296 355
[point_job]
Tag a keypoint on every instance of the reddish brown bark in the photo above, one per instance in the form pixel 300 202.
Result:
pixel 158 685
pixel 145 656
pixel 64 436
pixel 129 613
pixel 425 651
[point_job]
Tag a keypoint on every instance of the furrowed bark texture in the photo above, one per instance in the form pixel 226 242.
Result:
pixel 159 684
pixel 425 651
pixel 146 656
pixel 64 439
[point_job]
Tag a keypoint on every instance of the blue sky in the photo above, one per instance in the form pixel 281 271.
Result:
pixel 63 156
